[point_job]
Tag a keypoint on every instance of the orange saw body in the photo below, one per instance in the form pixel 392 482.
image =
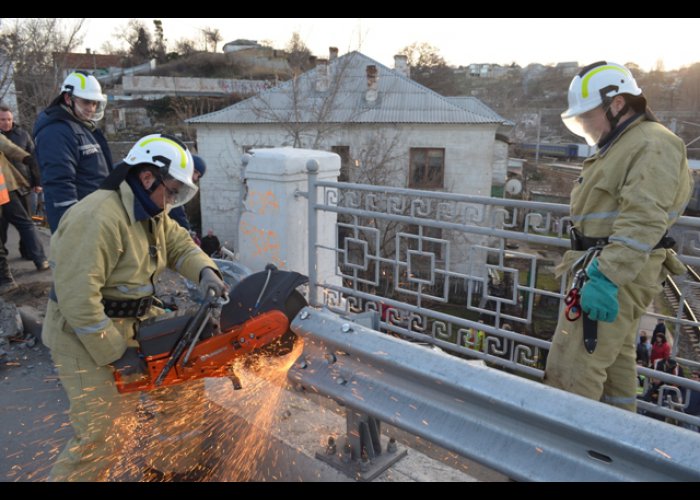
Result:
pixel 181 347
pixel 212 357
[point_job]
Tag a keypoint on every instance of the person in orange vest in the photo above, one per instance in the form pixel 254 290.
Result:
pixel 14 211
pixel 7 281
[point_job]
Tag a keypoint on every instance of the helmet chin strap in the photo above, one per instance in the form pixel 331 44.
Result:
pixel 156 182
pixel 612 120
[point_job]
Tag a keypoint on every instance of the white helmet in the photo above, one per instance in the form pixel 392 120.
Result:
pixel 172 157
pixel 595 85
pixel 86 87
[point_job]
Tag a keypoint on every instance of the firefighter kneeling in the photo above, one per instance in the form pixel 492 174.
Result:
pixel 106 253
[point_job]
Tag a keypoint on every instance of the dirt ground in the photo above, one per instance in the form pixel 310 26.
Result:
pixel 33 412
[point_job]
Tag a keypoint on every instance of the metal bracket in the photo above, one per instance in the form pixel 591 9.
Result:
pixel 361 456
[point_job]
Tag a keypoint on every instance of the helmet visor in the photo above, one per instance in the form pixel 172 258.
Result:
pixel 588 125
pixel 87 109
pixel 176 192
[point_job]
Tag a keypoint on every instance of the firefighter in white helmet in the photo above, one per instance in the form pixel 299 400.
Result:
pixel 630 193
pixel 106 254
pixel 73 155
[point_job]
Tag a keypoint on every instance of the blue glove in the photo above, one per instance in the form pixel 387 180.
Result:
pixel 599 295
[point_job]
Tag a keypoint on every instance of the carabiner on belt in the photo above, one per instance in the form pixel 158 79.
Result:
pixel 573 298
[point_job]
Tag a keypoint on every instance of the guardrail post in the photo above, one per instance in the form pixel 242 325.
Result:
pixel 361 457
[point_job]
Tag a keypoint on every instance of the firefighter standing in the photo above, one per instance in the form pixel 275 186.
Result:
pixel 106 253
pixel 629 194
pixel 73 154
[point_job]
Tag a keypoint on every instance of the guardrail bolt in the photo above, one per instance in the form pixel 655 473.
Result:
pixel 364 462
pixel 347 453
pixel 331 447
pixel 391 445
pixel 330 358
pixel 345 328
pixel 303 364
pixel 304 314
pixel 341 381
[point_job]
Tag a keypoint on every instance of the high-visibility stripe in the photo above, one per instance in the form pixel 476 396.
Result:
pixel 584 83
pixel 183 154
pixel 4 193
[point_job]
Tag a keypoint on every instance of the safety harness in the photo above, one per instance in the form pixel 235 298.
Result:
pixel 592 246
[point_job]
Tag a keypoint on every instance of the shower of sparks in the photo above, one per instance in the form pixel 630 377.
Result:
pixel 178 433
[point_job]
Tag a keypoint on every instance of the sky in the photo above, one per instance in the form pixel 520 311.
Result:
pixel 459 41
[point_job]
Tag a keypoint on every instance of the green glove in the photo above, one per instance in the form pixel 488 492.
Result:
pixel 599 295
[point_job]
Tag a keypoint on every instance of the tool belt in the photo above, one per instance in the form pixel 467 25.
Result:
pixel 128 308
pixel 581 242
pixel 122 308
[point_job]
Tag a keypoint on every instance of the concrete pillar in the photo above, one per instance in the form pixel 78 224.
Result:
pixel 274 226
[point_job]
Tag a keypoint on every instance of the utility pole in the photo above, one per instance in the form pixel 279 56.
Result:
pixel 537 147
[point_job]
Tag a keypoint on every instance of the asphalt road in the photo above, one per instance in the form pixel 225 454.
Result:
pixel 35 426
pixel 33 414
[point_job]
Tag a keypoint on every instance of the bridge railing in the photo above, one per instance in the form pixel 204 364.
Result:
pixel 472 275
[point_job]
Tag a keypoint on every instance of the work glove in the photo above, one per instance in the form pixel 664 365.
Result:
pixel 209 280
pixel 599 295
pixel 131 362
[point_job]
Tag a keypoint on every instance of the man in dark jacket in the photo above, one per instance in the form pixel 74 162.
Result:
pixel 210 243
pixel 72 152
pixel 22 139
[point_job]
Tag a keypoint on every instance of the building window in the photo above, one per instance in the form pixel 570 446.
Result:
pixel 344 153
pixel 427 168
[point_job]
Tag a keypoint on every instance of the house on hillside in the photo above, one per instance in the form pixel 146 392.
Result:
pixel 94 64
pixel 255 60
pixel 386 128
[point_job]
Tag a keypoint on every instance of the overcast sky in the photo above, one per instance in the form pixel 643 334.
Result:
pixel 460 41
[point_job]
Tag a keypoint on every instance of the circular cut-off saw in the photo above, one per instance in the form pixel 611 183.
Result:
pixel 192 344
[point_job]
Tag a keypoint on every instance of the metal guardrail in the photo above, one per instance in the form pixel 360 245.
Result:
pixel 434 264
pixel 516 426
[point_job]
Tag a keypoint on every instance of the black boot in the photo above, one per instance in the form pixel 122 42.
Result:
pixel 7 282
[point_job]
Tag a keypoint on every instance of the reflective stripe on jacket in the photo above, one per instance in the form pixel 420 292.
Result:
pixel 101 250
pixel 73 160
pixel 632 193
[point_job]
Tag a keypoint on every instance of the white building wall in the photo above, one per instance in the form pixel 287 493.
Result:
pixel 469 151
pixel 500 163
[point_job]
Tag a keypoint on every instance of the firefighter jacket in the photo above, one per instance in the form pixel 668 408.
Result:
pixel 9 153
pixel 101 250
pixel 23 139
pixel 632 191
pixel 73 157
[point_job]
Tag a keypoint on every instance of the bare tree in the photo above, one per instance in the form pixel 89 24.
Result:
pixel 159 43
pixel 212 36
pixel 429 68
pixel 37 49
pixel 299 55
pixel 185 47
pixel 306 105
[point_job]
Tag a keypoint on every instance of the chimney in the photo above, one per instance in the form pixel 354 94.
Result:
pixel 372 83
pixel 321 75
pixel 87 50
pixel 401 65
pixel 332 53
